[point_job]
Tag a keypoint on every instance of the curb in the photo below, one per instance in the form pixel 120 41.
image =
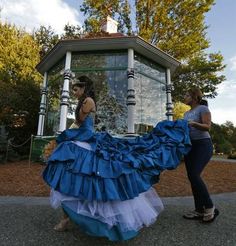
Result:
pixel 180 201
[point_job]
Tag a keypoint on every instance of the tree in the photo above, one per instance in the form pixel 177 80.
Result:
pixel 20 106
pixel 224 147
pixel 229 132
pixel 19 111
pixel 97 11
pixel 233 140
pixel 45 38
pixel 228 129
pixel 176 27
pixel 200 71
pixel 223 137
pixel 72 32
pixel 19 83
pixel 19 54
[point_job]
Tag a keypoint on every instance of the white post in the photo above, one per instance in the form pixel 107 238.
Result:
pixel 130 92
pixel 65 94
pixel 169 105
pixel 43 102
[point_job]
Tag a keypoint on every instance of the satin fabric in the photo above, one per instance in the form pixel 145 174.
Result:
pixel 114 168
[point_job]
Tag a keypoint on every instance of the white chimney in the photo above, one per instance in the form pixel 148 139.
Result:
pixel 110 25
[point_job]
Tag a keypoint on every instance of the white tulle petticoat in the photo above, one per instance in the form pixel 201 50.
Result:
pixel 130 214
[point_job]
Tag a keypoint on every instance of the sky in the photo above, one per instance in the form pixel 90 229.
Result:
pixel 30 14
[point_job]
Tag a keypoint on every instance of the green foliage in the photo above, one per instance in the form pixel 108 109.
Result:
pixel 200 71
pixel 177 27
pixel 45 38
pixel 96 12
pixel 232 155
pixel 224 137
pixel 19 54
pixel 72 32
pixel 20 104
pixel 224 147
pixel 19 84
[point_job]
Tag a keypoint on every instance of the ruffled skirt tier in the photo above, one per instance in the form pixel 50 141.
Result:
pixel 107 168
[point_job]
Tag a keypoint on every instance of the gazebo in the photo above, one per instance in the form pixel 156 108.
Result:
pixel 132 81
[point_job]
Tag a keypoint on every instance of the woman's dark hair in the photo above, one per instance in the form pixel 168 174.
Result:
pixel 196 94
pixel 83 81
pixel 204 102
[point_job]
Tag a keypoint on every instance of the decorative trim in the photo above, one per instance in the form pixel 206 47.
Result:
pixel 130 74
pixel 43 104
pixel 169 88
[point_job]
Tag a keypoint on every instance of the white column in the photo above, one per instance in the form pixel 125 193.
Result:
pixel 169 105
pixel 65 94
pixel 43 103
pixel 130 92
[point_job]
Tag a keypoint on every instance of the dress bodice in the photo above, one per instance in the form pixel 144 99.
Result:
pixel 82 133
pixel 88 123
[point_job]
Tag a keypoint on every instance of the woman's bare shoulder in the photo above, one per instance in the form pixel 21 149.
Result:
pixel 88 100
pixel 88 105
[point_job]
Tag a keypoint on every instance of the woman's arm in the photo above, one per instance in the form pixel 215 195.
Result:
pixel 87 107
pixel 205 125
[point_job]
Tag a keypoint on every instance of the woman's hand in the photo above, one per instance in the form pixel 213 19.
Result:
pixel 205 125
pixel 191 123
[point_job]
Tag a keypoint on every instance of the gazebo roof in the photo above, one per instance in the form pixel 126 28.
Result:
pixel 107 43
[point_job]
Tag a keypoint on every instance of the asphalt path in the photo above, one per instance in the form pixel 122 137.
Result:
pixel 28 221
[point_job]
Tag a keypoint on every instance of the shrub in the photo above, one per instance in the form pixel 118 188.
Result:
pixel 232 155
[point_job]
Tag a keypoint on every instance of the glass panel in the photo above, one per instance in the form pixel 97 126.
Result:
pixel 86 61
pixel 108 71
pixel 55 84
pixel 150 97
pixel 149 68
pixel 110 96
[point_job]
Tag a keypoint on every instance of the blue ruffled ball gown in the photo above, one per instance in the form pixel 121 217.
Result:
pixel 104 183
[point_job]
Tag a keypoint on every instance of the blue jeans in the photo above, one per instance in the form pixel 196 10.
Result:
pixel 195 162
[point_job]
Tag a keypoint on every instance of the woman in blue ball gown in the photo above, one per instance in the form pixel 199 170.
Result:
pixel 103 183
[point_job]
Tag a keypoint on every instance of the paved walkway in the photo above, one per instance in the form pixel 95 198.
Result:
pixel 28 221
pixel 214 158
